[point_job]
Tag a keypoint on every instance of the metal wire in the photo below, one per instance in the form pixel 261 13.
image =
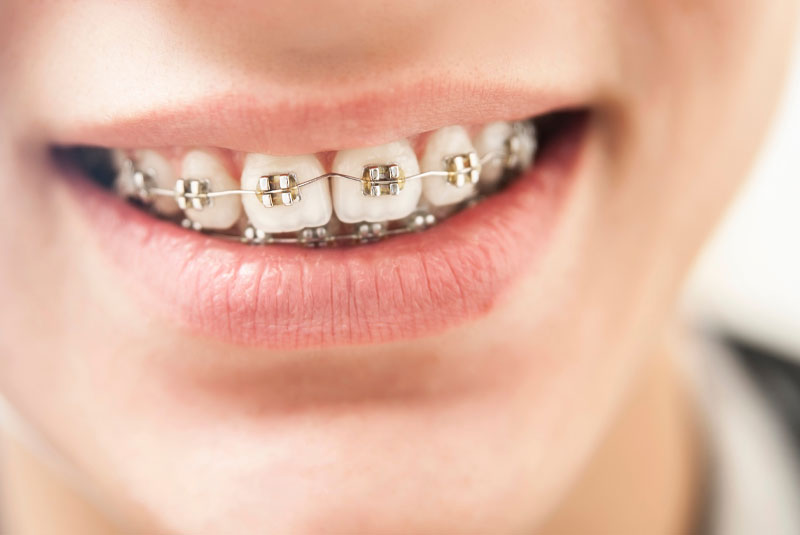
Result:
pixel 163 192
pixel 144 189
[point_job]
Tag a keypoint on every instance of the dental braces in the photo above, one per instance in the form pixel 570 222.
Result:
pixel 283 189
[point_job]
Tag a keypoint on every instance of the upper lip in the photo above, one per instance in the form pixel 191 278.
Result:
pixel 284 120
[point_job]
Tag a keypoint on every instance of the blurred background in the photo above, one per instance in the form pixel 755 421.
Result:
pixel 747 282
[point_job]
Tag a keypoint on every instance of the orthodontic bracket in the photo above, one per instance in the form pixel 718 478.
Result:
pixel 192 193
pixel 278 190
pixel 463 169
pixel 142 182
pixel 380 180
pixel 370 232
pixel 313 237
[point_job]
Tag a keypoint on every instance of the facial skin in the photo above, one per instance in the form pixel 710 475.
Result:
pixel 481 427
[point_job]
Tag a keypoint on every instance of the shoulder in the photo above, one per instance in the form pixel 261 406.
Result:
pixel 748 397
pixel 777 378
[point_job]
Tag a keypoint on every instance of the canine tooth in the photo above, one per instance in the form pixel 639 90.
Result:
pixel 163 174
pixel 224 211
pixel 445 142
pixel 349 201
pixel 493 139
pixel 312 209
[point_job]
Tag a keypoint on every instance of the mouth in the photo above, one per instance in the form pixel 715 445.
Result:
pixel 357 196
pixel 399 240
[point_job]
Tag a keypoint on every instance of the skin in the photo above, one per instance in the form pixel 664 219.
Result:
pixel 517 421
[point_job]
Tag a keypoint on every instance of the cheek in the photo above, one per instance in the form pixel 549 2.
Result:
pixel 689 124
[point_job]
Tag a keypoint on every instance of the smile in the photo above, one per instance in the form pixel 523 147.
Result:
pixel 452 216
pixel 368 194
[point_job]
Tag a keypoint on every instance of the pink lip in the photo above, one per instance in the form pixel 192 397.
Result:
pixel 284 297
pixel 278 120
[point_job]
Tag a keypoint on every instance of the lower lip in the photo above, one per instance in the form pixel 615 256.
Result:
pixel 285 297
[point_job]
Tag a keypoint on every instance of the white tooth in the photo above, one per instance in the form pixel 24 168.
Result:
pixel 118 157
pixel 158 167
pixel 445 142
pixel 312 210
pixel 224 211
pixel 124 181
pixel 492 139
pixel 528 144
pixel 352 206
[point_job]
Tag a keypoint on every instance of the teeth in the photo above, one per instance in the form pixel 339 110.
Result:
pixel 445 142
pixel 223 212
pixel 270 190
pixel 528 143
pixel 118 158
pixel 158 167
pixel 313 209
pixel 124 181
pixel 492 139
pixel 349 202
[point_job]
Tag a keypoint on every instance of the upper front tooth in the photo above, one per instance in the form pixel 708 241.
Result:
pixel 352 205
pixel 163 175
pixel 445 142
pixel 312 209
pixel 492 139
pixel 223 211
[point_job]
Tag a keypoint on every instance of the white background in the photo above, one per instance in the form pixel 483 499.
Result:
pixel 748 279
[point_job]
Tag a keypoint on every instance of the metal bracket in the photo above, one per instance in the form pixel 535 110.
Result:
pixel 278 190
pixel 380 180
pixel 463 169
pixel 192 193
